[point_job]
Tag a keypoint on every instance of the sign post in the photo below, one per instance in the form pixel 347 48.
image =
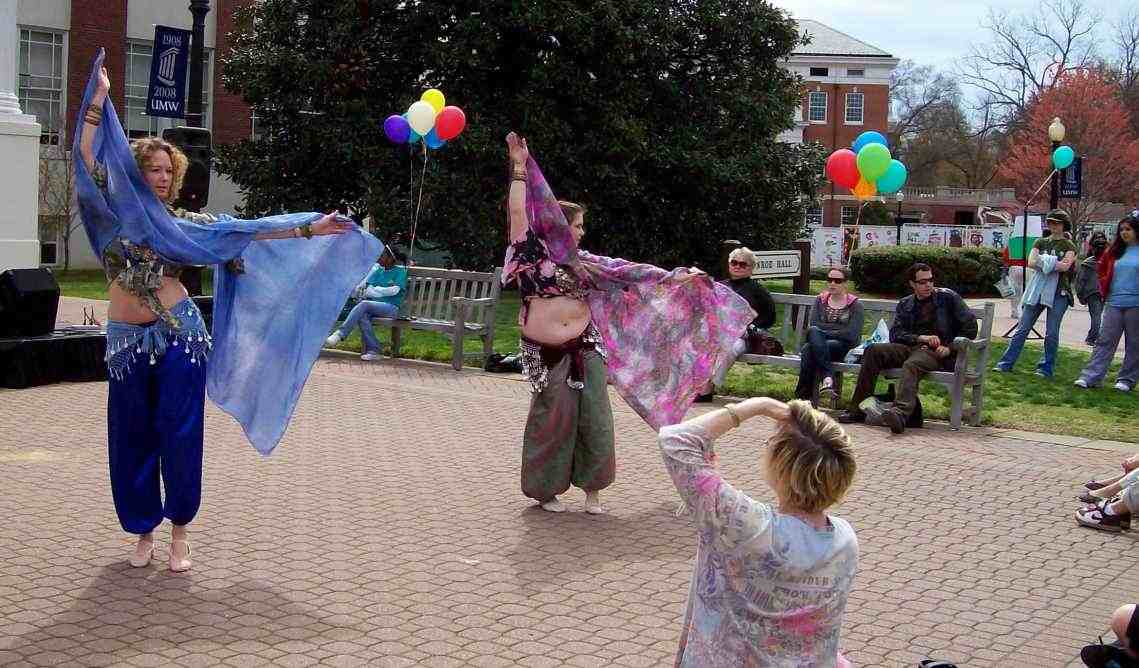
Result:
pixel 166 95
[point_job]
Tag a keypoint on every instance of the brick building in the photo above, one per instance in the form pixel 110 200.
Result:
pixel 58 41
pixel 847 92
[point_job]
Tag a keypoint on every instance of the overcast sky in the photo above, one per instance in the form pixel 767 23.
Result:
pixel 931 32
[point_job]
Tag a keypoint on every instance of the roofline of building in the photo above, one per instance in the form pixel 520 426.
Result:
pixel 848 36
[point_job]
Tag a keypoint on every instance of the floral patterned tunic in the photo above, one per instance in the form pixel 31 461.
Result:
pixel 767 589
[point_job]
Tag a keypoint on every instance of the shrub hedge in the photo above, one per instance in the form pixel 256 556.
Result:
pixel 968 271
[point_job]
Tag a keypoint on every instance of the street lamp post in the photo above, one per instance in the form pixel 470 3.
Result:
pixel 898 217
pixel 1056 134
pixel 199 9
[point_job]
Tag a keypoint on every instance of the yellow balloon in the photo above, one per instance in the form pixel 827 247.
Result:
pixel 865 189
pixel 434 97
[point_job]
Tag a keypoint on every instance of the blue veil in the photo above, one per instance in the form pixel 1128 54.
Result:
pixel 269 323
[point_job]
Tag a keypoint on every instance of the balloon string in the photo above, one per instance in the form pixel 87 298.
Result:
pixel 418 206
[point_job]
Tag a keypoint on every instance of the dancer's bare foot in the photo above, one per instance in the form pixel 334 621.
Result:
pixel 553 506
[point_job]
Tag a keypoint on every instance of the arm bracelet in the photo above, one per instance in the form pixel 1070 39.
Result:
pixel 732 412
pixel 306 230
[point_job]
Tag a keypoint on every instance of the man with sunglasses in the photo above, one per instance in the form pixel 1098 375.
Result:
pixel 925 325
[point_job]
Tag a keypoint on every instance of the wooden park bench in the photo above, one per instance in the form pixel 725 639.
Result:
pixel 969 373
pixel 451 302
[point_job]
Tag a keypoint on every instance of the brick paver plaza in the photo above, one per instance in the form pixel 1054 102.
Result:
pixel 388 529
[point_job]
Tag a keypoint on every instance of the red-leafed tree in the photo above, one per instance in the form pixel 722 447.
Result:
pixel 1097 128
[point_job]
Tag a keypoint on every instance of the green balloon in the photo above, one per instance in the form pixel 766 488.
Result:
pixel 873 161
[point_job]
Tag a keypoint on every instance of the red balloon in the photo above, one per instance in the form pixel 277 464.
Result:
pixel 842 168
pixel 449 123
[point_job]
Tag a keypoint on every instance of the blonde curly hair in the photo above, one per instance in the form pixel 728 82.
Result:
pixel 811 459
pixel 144 148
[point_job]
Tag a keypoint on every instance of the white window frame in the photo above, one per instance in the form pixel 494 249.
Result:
pixel 135 96
pixel 814 216
pixel 53 94
pixel 811 106
pixel 843 215
pixel 827 72
pixel 856 71
pixel 861 109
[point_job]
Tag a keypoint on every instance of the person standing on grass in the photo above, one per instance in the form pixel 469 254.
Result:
pixel 1086 285
pixel 1119 283
pixel 1054 259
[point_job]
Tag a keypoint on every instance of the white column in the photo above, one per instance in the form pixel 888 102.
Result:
pixel 19 158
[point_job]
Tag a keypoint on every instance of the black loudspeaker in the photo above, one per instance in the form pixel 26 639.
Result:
pixel 197 145
pixel 29 299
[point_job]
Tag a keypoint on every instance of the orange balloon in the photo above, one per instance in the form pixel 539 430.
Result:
pixel 865 189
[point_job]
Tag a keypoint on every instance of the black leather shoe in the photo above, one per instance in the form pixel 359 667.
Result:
pixel 851 417
pixel 894 420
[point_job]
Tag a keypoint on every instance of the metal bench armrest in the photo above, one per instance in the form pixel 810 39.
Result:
pixel 472 302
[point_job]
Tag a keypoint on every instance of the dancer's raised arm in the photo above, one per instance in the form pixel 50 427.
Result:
pixel 516 202
pixel 91 119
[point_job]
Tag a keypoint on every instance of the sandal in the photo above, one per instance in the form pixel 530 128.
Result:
pixel 179 564
pixel 1088 497
pixel 142 559
pixel 1093 485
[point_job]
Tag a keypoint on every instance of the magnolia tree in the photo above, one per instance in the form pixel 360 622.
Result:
pixel 1096 127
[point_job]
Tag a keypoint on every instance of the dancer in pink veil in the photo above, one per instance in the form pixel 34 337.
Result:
pixel 587 320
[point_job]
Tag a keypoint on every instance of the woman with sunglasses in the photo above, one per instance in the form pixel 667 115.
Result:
pixel 836 326
pixel 1119 284
pixel 741 263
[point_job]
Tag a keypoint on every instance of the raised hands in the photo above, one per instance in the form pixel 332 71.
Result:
pixel 517 149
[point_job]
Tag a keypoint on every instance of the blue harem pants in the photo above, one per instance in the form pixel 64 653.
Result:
pixel 154 426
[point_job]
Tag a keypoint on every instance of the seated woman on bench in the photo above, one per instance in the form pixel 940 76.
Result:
pixel 380 295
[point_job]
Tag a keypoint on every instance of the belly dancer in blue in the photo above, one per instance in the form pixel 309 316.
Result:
pixel 157 342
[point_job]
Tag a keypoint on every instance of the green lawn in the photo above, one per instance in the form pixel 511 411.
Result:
pixel 1018 400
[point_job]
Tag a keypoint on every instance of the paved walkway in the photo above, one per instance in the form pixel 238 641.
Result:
pixel 389 530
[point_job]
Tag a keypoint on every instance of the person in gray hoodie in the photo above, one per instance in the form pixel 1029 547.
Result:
pixel 1087 284
pixel 836 327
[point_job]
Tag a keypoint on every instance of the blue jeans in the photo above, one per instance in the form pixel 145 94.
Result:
pixel 1028 317
pixel 815 359
pixel 362 314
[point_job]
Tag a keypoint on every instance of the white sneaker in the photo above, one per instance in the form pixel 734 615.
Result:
pixel 1080 382
pixel 1122 386
pixel 593 504
pixel 553 506
pixel 333 339
pixel 369 357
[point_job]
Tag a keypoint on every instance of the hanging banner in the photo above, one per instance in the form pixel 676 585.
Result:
pixel 1072 180
pixel 166 96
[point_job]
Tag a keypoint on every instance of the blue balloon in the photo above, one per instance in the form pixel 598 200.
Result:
pixel 432 140
pixel 893 180
pixel 869 137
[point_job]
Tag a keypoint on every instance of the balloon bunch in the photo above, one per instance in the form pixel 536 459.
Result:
pixel 868 169
pixel 429 119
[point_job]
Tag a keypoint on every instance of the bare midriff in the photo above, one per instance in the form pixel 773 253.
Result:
pixel 555 320
pixel 129 308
